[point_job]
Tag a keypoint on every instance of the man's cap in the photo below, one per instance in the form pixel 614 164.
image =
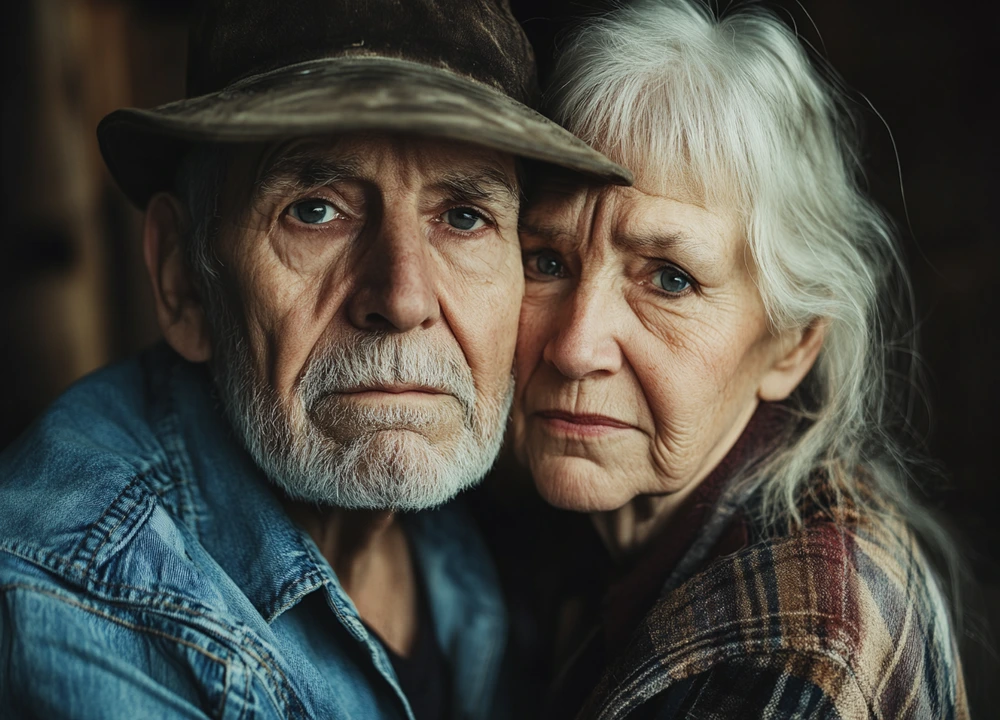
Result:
pixel 268 70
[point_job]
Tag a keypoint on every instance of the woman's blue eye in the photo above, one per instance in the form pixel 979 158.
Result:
pixel 548 265
pixel 671 280
pixel 463 218
pixel 313 212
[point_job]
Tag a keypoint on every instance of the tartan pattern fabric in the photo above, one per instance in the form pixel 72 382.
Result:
pixel 840 618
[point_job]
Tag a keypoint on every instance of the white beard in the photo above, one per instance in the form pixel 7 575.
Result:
pixel 369 457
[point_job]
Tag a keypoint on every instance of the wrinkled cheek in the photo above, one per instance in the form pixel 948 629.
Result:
pixel 531 339
pixel 603 479
pixel 485 316
pixel 518 436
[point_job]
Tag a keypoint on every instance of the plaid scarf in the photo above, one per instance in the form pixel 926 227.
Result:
pixel 838 618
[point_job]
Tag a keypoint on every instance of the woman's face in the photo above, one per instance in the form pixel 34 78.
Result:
pixel 643 346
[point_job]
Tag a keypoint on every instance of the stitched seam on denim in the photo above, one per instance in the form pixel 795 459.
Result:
pixel 181 460
pixel 263 658
pixel 247 693
pixel 225 692
pixel 341 617
pixel 284 687
pixel 221 632
pixel 173 481
pixel 315 576
pixel 155 599
pixel 118 621
pixel 146 506
pixel 171 493
pixel 247 686
pixel 180 472
pixel 82 552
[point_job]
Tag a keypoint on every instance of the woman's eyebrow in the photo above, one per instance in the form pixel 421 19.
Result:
pixel 656 243
pixel 651 241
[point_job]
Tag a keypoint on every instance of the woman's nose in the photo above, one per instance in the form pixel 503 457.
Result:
pixel 584 341
pixel 396 287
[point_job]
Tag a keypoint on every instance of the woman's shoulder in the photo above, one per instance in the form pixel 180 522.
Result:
pixel 844 607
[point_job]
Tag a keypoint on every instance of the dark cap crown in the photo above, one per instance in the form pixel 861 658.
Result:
pixel 234 39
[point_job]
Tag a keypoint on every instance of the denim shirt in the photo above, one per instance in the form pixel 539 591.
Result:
pixel 148 570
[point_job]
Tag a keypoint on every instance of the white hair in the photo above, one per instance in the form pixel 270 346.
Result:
pixel 731 103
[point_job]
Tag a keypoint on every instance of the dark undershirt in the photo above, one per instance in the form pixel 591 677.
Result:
pixel 424 676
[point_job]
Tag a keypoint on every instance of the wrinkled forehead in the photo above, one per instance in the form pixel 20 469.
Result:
pixel 258 172
pixel 658 215
pixel 677 181
pixel 569 217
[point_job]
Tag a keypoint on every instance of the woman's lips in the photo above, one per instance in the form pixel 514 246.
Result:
pixel 580 424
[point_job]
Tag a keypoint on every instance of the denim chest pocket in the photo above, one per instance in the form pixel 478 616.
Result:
pixel 140 628
pixel 95 659
pixel 209 619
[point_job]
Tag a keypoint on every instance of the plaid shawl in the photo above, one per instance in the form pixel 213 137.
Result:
pixel 840 618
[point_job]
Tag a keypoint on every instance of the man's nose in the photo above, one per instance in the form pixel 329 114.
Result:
pixel 396 289
pixel 583 342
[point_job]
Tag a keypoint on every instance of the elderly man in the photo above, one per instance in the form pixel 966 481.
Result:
pixel 331 235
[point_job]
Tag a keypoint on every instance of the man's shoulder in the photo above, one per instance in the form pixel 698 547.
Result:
pixel 91 542
pixel 81 467
pixel 104 413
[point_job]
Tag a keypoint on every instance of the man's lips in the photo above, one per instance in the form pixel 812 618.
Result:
pixel 585 424
pixel 395 390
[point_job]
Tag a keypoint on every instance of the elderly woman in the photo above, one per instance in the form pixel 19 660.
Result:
pixel 703 368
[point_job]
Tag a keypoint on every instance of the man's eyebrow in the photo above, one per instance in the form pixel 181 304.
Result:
pixel 483 184
pixel 300 172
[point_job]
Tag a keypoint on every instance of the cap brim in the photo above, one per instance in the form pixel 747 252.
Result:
pixel 341 95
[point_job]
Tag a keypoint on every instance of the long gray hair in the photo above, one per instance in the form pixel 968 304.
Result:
pixel 733 104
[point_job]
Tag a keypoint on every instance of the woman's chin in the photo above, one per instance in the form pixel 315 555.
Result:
pixel 580 492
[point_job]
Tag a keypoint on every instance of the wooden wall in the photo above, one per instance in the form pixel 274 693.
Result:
pixel 73 294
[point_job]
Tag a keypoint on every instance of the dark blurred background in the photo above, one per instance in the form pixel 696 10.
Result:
pixel 923 75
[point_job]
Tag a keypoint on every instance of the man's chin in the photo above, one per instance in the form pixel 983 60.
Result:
pixel 345 425
pixel 389 469
pixel 439 436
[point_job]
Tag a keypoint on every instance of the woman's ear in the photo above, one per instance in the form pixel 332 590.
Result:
pixel 797 351
pixel 178 307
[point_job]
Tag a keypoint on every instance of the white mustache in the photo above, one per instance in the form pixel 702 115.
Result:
pixel 384 360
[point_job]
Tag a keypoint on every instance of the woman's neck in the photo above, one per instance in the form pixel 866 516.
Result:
pixel 627 530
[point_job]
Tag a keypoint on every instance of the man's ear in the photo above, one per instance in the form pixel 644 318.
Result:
pixel 178 308
pixel 797 353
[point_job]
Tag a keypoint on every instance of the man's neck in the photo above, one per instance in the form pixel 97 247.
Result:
pixel 370 555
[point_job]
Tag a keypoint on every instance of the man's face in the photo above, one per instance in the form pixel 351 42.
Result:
pixel 371 291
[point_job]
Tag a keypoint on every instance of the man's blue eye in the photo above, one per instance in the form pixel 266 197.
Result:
pixel 313 212
pixel 463 218
pixel 671 280
pixel 548 265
